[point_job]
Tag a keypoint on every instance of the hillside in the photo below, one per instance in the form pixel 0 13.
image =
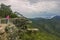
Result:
pixel 50 26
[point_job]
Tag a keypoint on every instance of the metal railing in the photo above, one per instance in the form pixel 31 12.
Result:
pixel 6 21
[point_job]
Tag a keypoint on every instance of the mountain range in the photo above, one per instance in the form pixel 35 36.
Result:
pixel 51 26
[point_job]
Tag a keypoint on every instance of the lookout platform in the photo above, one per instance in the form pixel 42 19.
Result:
pixel 4 22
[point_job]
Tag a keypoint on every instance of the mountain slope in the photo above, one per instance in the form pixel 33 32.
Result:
pixel 51 26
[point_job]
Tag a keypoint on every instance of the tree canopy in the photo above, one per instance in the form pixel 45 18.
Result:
pixel 6 10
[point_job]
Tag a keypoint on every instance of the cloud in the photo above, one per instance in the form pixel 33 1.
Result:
pixel 34 8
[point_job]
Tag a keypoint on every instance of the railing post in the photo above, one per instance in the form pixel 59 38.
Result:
pixel 8 21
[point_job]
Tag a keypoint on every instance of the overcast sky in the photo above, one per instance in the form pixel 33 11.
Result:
pixel 35 8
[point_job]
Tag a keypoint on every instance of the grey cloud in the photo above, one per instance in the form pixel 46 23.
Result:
pixel 35 1
pixel 3 0
pixel 35 10
pixel 49 0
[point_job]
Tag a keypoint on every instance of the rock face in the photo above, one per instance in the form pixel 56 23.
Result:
pixel 3 36
pixel 2 27
pixel 9 33
pixel 14 30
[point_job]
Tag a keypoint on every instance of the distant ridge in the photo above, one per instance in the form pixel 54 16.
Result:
pixel 56 17
pixel 49 25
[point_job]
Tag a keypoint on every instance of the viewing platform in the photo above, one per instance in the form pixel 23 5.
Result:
pixel 4 22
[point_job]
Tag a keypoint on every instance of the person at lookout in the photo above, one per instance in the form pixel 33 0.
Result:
pixel 7 19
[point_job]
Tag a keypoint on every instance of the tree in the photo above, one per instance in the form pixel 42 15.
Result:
pixel 6 10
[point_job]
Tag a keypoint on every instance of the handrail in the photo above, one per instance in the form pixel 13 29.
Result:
pixel 11 18
pixel 4 20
